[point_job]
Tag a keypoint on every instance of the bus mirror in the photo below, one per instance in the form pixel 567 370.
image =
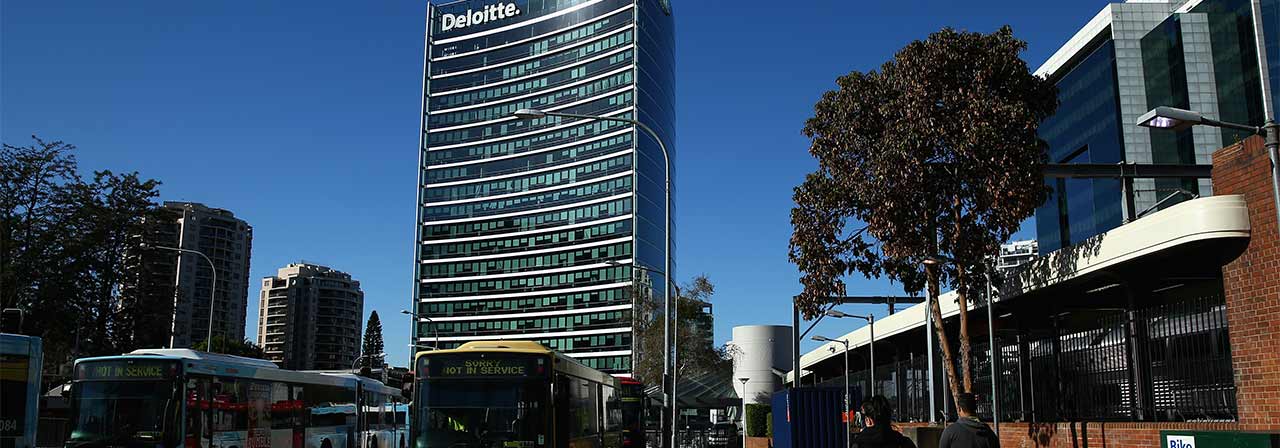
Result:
pixel 65 391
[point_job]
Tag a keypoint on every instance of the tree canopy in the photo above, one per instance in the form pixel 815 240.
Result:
pixel 66 246
pixel 697 351
pixel 936 154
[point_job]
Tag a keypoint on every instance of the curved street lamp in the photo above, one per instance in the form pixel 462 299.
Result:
pixel 1175 119
pixel 533 114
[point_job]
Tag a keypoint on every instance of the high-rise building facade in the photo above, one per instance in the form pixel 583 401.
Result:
pixel 1131 57
pixel 309 318
pixel 183 279
pixel 528 229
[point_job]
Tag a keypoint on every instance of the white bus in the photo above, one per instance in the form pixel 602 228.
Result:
pixel 176 397
pixel 19 390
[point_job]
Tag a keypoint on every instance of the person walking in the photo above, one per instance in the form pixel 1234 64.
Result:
pixel 968 431
pixel 878 431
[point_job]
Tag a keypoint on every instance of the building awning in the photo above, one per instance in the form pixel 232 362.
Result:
pixel 1191 239
pixel 708 391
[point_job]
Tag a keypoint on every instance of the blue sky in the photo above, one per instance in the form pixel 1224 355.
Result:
pixel 301 117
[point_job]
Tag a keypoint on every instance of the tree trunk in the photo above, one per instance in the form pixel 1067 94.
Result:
pixel 966 349
pixel 952 381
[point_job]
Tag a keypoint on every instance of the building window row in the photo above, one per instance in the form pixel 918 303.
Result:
pixel 522 284
pixel 551 40
pixel 548 100
pixel 604 297
pixel 508 127
pixel 496 92
pixel 531 222
pixel 608 363
pixel 586 321
pixel 532 162
pixel 534 66
pixel 520 264
pixel 547 240
pixel 581 131
pixel 542 180
pixel 580 344
pixel 522 203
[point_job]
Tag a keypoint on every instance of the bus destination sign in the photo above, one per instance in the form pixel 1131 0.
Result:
pixel 127 370
pixel 484 367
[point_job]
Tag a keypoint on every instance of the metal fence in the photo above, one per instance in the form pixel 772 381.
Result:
pixel 1169 362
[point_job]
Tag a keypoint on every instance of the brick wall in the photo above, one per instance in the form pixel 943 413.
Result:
pixel 1087 434
pixel 1252 286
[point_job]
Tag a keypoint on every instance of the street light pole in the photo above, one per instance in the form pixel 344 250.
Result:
pixel 417 317
pixel 871 346
pixel 744 410
pixel 366 355
pixel 844 413
pixel 213 288
pixel 666 268
pixel 1164 117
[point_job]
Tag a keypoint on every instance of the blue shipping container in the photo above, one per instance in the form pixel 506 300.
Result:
pixel 811 418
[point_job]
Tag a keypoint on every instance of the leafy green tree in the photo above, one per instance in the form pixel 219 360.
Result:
pixel 64 245
pixel 224 346
pixel 697 351
pixel 934 154
pixel 372 343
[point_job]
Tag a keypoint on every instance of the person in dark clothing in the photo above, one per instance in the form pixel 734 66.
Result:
pixel 968 431
pixel 878 432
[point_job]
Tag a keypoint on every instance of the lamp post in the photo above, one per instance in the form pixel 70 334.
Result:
pixel 531 114
pixel 1175 119
pixel 674 351
pixel 213 287
pixel 366 355
pixel 844 413
pixel 417 317
pixel 744 409
pixel 871 323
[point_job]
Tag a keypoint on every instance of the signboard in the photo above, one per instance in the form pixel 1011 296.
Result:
pixel 1181 441
pixel 479 16
pixel 486 367
pixel 127 370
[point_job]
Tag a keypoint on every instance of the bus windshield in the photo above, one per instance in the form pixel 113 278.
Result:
pixel 484 413
pixel 124 413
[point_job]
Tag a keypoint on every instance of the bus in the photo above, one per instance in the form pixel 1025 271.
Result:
pixel 633 412
pixel 178 397
pixel 512 394
pixel 383 410
pixel 20 361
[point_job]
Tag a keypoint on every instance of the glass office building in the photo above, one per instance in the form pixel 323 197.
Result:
pixel 1199 54
pixel 529 229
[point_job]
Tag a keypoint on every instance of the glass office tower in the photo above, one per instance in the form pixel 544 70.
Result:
pixel 1134 56
pixel 529 229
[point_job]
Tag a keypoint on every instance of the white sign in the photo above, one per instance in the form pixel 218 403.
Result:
pixel 471 17
pixel 1182 442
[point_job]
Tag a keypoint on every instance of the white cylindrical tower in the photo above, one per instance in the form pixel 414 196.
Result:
pixel 761 353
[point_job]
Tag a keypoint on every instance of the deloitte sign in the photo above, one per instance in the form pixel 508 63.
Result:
pixel 482 16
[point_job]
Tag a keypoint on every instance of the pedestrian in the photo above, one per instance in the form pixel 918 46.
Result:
pixel 968 431
pixel 877 431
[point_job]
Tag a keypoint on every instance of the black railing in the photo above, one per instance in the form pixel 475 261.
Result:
pixel 1168 362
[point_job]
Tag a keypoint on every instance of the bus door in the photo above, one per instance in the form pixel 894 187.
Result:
pixel 197 413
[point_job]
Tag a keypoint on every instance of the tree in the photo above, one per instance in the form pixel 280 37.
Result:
pixel 372 343
pixel 697 351
pixel 244 347
pixel 935 154
pixel 63 250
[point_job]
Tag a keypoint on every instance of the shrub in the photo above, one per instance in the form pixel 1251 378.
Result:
pixel 757 423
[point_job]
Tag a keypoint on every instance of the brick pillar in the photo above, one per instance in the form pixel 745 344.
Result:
pixel 1252 286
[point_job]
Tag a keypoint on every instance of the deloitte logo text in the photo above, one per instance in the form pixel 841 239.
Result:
pixel 497 11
